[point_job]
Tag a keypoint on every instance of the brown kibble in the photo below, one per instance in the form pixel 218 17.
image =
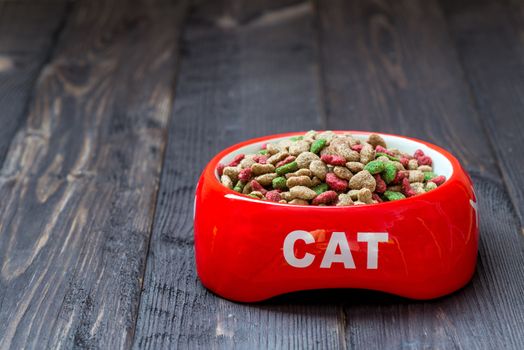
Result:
pixel 412 164
pixel 277 157
pixel 430 185
pixel 383 159
pixel 355 167
pixel 257 193
pixel 344 199
pixel 342 172
pixel 353 194
pixel 425 168
pixel 315 181
pixel 395 188
pixel 299 172
pixel 299 181
pixel 226 181
pixel 418 187
pixel 247 162
pixel 286 196
pixel 367 154
pixel 273 148
pixel 232 172
pixel 375 140
pixel 326 135
pixel 298 201
pixel 259 169
pixel 247 188
pixel 363 180
pixel 304 159
pixel 302 192
pixel 298 147
pixel 285 144
pixel 265 180
pixel 364 195
pixel 416 176
pixel 319 169
pixel 398 165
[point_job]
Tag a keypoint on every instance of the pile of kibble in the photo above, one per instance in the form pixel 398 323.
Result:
pixel 324 168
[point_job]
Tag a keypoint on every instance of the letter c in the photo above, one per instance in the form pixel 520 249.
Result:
pixel 289 251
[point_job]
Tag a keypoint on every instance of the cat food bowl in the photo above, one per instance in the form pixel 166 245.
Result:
pixel 421 247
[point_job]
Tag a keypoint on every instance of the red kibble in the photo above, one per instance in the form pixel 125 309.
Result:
pixel 399 177
pixel 238 158
pixel 245 174
pixel 333 159
pixel 418 153
pixel 260 159
pixel 381 184
pixel 273 196
pixel 404 161
pixel 256 186
pixel 424 160
pixel 327 198
pixel 407 189
pixel 288 159
pixel 264 145
pixel 220 169
pixel 376 197
pixel 357 148
pixel 438 180
pixel 336 183
pixel 380 149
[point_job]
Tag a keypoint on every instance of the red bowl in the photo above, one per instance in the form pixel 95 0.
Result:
pixel 421 247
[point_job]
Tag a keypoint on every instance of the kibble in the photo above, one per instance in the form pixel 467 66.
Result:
pixel 289 167
pixel 302 192
pixel 329 169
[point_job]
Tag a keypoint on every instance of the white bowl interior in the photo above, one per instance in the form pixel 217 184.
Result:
pixel 441 165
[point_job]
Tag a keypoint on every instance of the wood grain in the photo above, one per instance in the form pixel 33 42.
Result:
pixel 27 35
pixel 390 66
pixel 79 183
pixel 489 36
pixel 236 82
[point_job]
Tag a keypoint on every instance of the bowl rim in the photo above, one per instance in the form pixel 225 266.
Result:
pixel 230 194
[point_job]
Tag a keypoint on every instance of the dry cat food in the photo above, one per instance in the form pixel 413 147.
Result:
pixel 324 168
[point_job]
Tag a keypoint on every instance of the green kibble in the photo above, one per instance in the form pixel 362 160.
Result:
pixel 279 183
pixel 428 175
pixel 323 187
pixel 253 195
pixel 389 173
pixel 375 167
pixel 317 146
pixel 379 154
pixel 393 196
pixel 287 168
pixel 263 152
pixel 296 138
pixel 239 186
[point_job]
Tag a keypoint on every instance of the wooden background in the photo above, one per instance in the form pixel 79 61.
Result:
pixel 110 109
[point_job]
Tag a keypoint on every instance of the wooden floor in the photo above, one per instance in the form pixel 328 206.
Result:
pixel 110 109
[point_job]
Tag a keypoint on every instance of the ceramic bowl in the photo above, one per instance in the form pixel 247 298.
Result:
pixel 421 247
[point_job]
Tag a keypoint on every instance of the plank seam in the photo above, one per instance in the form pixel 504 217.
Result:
pixel 171 119
pixel 479 113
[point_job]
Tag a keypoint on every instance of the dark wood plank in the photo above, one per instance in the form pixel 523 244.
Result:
pixel 236 82
pixel 80 180
pixel 27 34
pixel 390 66
pixel 488 37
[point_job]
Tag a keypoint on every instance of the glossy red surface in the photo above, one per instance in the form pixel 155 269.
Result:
pixel 430 251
